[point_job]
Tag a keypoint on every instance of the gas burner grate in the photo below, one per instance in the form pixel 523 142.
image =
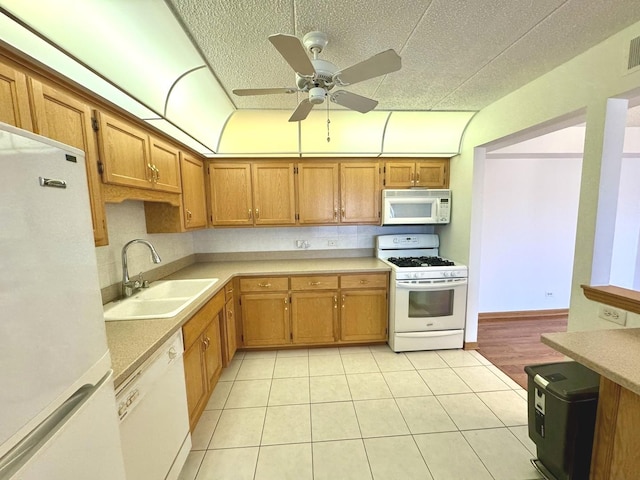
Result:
pixel 420 262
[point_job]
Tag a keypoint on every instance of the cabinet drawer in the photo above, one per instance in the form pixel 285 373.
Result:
pixel 264 284
pixel 196 325
pixel 318 282
pixel 367 280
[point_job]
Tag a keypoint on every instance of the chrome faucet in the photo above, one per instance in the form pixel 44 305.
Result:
pixel 129 287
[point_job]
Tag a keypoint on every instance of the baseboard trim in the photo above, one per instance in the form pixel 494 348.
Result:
pixel 470 346
pixel 523 315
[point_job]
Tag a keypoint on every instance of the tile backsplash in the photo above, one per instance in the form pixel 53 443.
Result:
pixel 126 221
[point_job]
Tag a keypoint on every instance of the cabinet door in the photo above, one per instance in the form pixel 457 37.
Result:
pixel 230 191
pixel 432 173
pixel 314 317
pixel 363 315
pixel 265 319
pixel 318 193
pixel 273 194
pixel 165 163
pixel 399 174
pixel 68 120
pixel 14 98
pixel 124 151
pixel 193 196
pixel 195 380
pixel 360 192
pixel 212 352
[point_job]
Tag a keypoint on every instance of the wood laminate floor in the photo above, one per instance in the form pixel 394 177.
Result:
pixel 512 344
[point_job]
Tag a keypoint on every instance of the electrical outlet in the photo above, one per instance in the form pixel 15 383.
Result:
pixel 612 314
pixel 332 243
pixel 548 294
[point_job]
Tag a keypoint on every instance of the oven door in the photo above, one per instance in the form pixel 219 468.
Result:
pixel 424 305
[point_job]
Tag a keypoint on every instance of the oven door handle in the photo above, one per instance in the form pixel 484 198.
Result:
pixel 431 284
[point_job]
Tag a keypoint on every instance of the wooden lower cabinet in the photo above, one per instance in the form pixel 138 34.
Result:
pixel 314 317
pixel 321 313
pixel 363 315
pixel 202 356
pixel 265 319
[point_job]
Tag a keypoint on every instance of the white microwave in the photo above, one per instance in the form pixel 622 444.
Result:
pixel 415 206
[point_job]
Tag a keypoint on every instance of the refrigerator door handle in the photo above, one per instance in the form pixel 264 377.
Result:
pixel 32 442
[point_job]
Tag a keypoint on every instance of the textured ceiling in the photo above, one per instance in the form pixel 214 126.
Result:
pixel 456 54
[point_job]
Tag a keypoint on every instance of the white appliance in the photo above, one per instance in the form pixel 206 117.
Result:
pixel 58 417
pixel 416 206
pixel 154 420
pixel 428 294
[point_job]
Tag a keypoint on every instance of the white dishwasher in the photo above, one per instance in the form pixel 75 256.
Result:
pixel 154 421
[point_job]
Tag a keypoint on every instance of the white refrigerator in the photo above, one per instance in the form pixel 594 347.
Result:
pixel 57 405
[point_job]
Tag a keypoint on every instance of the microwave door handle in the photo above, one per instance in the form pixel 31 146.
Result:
pixel 429 285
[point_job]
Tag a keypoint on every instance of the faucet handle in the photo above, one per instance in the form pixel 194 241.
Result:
pixel 145 284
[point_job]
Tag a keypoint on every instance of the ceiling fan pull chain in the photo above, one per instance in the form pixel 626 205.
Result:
pixel 328 123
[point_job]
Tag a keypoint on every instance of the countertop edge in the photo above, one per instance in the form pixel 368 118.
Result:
pixel 600 350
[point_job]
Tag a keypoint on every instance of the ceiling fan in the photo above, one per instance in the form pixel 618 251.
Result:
pixel 318 77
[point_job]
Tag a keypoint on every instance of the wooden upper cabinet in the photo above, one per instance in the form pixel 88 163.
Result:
pixel 14 98
pixel 193 195
pixel 165 166
pixel 273 193
pixel 318 194
pixel 230 193
pixel 360 192
pixel 124 152
pixel 428 173
pixel 67 119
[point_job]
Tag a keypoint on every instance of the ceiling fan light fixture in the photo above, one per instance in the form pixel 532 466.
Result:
pixel 317 95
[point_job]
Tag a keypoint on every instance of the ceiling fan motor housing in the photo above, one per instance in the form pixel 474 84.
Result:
pixel 316 95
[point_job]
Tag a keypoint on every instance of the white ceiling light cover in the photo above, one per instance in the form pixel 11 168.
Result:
pixel 147 49
pixel 260 132
pixel 351 133
pixel 198 105
pixel 425 133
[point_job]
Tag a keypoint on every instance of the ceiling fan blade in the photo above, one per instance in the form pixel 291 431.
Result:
pixel 380 64
pixel 301 111
pixel 291 48
pixel 243 92
pixel 353 101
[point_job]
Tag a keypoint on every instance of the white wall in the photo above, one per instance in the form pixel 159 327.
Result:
pixel 125 221
pixel 529 215
pixel 578 88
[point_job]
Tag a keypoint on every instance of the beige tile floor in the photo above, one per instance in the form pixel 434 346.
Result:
pixel 362 413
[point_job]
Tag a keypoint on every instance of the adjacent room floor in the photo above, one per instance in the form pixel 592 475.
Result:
pixel 362 413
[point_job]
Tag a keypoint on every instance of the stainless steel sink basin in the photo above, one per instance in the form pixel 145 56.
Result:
pixel 163 299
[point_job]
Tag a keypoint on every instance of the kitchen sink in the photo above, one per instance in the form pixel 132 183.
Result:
pixel 163 299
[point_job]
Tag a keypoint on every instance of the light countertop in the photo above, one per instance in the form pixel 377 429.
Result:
pixel 614 354
pixel 131 342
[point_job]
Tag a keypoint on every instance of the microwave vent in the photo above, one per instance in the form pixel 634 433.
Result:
pixel 416 193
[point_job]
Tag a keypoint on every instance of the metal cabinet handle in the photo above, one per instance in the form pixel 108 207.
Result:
pixel 412 178
pixel 364 282
pixel 257 213
pixel 264 285
pixel 150 167
pixel 315 284
pixel 335 301
pixel 343 299
pixel 335 213
pixel 189 215
pixel 157 170
pixel 250 214
pixel 343 214
pixel 417 178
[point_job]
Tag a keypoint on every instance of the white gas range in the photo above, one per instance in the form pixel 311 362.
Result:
pixel 428 294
